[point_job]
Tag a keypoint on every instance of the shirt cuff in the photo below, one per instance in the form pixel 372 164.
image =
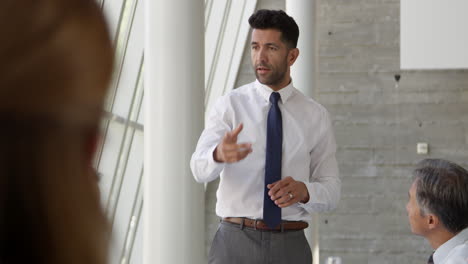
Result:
pixel 213 165
pixel 310 206
pixel 309 191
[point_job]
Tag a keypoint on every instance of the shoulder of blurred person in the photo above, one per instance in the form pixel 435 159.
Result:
pixel 56 62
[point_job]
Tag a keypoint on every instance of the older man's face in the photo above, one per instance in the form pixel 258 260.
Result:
pixel 418 222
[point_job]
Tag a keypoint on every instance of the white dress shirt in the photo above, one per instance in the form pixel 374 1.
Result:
pixel 454 251
pixel 308 152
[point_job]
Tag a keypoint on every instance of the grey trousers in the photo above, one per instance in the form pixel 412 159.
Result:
pixel 233 245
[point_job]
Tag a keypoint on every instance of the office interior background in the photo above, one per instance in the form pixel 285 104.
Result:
pixel 380 111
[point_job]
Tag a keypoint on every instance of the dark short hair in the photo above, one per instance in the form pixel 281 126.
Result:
pixel 442 189
pixel 279 20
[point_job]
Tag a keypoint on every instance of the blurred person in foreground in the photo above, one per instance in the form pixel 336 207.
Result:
pixel 55 66
pixel 438 209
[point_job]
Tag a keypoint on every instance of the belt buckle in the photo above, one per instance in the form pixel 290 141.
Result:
pixel 255 224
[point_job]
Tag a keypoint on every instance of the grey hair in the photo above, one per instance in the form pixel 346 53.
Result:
pixel 442 189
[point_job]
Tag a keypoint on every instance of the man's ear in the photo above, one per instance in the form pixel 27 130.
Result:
pixel 292 56
pixel 432 221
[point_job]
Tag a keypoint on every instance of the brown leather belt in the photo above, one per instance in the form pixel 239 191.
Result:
pixel 260 225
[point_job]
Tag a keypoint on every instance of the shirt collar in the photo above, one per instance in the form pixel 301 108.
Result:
pixel 266 91
pixel 443 251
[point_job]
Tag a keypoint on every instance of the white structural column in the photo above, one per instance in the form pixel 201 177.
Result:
pixel 304 69
pixel 304 73
pixel 174 100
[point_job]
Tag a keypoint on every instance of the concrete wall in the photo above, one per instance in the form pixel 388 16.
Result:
pixel 377 126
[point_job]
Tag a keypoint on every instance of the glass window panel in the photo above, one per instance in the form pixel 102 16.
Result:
pixel 137 252
pixel 136 108
pixel 112 10
pixel 110 157
pixel 141 116
pixel 131 65
pixel 128 191
pixel 121 165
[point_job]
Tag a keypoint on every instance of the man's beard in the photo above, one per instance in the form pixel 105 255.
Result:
pixel 275 77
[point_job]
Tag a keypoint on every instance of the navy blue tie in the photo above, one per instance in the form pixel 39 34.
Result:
pixel 274 143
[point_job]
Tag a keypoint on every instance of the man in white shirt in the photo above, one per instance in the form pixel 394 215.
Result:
pixel 274 151
pixel 438 209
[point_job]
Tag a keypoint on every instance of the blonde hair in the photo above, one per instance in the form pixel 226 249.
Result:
pixel 55 66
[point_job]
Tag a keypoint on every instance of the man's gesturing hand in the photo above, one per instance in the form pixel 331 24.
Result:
pixel 229 151
pixel 287 192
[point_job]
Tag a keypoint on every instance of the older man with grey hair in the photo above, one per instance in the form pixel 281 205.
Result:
pixel 438 209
